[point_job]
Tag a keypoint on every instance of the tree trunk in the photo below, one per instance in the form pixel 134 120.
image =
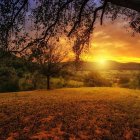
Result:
pixel 48 82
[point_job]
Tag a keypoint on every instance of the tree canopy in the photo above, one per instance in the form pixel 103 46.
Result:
pixel 26 23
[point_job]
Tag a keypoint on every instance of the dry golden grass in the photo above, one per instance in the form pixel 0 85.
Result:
pixel 71 114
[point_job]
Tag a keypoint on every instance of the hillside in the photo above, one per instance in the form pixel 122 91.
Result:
pixel 78 113
pixel 110 65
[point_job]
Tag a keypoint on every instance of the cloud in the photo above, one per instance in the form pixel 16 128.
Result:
pixel 116 41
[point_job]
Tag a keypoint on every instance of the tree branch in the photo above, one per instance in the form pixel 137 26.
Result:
pixel 57 18
pixel 131 4
pixel 47 30
pixel 23 5
pixel 103 11
pixel 79 17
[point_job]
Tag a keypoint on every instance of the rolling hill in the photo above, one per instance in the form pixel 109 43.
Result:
pixel 110 65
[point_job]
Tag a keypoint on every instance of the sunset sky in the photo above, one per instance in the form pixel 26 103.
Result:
pixel 113 41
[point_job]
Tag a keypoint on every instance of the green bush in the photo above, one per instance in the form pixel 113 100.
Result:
pixel 94 79
pixel 26 83
pixel 58 83
pixel 39 80
pixel 73 83
pixel 8 79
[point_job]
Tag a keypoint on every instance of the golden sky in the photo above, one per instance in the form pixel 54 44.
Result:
pixel 113 41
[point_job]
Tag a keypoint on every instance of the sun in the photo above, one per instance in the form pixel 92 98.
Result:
pixel 102 61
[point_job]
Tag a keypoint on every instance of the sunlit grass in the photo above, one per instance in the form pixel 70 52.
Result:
pixel 78 113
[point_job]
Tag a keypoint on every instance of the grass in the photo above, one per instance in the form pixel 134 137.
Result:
pixel 71 114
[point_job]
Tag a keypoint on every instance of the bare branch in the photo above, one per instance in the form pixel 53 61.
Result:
pixel 103 11
pixel 79 17
pixel 18 12
pixel 57 17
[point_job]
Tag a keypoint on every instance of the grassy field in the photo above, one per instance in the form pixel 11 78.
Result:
pixel 71 114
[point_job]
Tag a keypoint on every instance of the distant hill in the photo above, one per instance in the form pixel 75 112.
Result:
pixel 20 63
pixel 112 65
pixel 124 66
pixel 109 65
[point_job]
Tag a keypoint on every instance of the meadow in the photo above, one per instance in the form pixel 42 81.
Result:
pixel 97 113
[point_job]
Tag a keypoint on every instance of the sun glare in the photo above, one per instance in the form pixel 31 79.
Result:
pixel 102 61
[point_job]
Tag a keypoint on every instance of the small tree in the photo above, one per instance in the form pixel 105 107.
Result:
pixel 49 56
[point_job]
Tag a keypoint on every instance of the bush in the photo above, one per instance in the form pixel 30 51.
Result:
pixel 33 81
pixel 73 83
pixel 8 79
pixel 26 83
pixel 58 83
pixel 135 82
pixel 94 79
pixel 39 81
pixel 124 82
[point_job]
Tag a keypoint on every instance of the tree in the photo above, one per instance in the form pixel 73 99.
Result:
pixel 77 18
pixel 65 16
pixel 12 17
pixel 49 56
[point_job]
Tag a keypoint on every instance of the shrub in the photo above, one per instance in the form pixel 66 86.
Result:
pixel 8 79
pixel 58 83
pixel 124 82
pixel 26 83
pixel 39 80
pixel 73 83
pixel 135 82
pixel 94 79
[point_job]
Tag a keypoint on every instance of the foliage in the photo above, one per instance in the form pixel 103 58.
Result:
pixel 52 19
pixel 94 79
pixel 39 81
pixel 28 76
pixel 26 83
pixel 58 83
pixel 124 81
pixel 74 83
pixel 135 81
pixel 61 82
pixel 8 79
pixel 129 81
